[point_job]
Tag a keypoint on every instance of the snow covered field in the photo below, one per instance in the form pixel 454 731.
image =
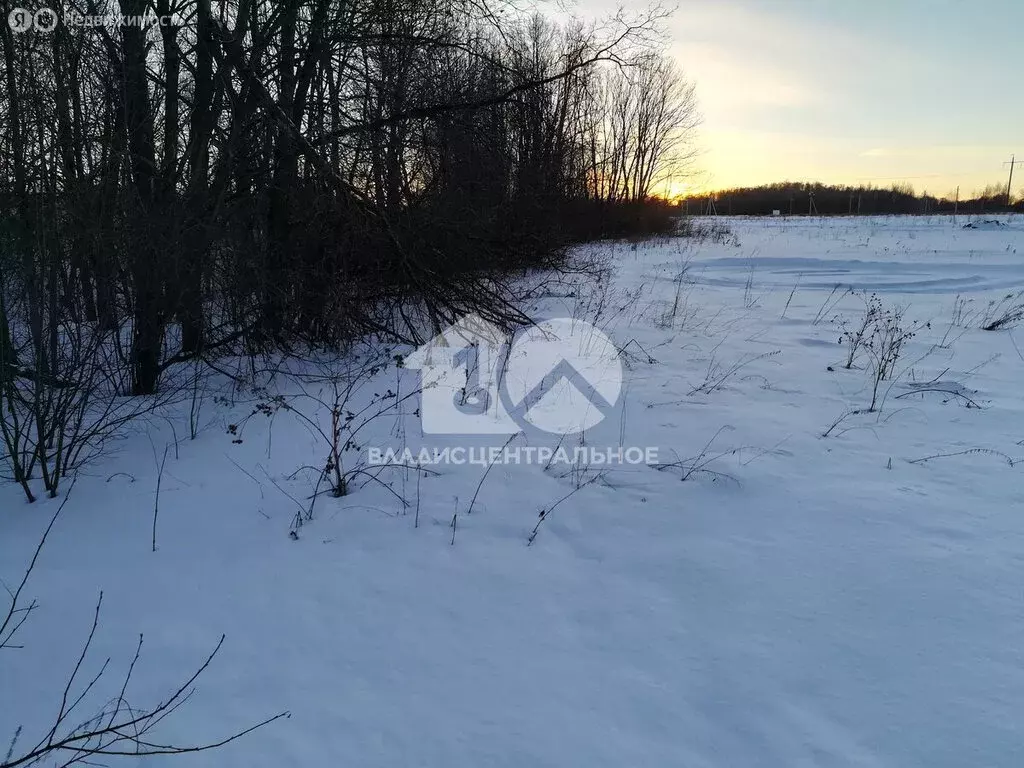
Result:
pixel 801 583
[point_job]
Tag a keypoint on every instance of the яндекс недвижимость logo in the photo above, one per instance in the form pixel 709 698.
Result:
pixel 558 376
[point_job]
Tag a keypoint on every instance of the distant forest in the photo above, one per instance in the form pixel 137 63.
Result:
pixel 815 198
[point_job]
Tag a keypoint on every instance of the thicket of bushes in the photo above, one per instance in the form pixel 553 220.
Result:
pixel 260 175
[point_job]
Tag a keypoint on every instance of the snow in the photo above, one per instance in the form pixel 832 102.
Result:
pixel 798 600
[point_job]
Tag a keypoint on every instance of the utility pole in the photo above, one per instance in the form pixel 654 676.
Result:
pixel 1009 182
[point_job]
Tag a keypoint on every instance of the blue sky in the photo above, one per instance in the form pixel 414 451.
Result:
pixel 929 92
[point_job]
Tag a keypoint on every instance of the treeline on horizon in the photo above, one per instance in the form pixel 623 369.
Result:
pixel 792 198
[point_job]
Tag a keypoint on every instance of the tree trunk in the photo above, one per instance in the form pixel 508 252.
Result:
pixel 145 264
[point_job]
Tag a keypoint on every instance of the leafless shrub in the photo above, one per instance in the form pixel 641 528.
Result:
pixel 63 401
pixel 717 373
pixel 1008 312
pixel 681 282
pixel 198 386
pixel 748 289
pixel 835 424
pixel 546 512
pixel 885 345
pixel 696 465
pixel 119 727
pixel 854 335
pixel 1010 461
pixel 948 389
pixel 834 297
pixel 487 471
pixel 633 352
pixel 789 300
pixel 336 406
pixel 960 318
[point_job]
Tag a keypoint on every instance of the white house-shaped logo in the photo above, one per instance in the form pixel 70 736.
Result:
pixel 459 371
pixel 560 376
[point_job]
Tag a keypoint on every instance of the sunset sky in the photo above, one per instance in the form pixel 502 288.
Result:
pixel 925 91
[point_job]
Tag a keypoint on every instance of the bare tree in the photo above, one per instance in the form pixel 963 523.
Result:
pixel 247 175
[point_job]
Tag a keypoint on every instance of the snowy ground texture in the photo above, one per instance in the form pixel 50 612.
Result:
pixel 797 600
